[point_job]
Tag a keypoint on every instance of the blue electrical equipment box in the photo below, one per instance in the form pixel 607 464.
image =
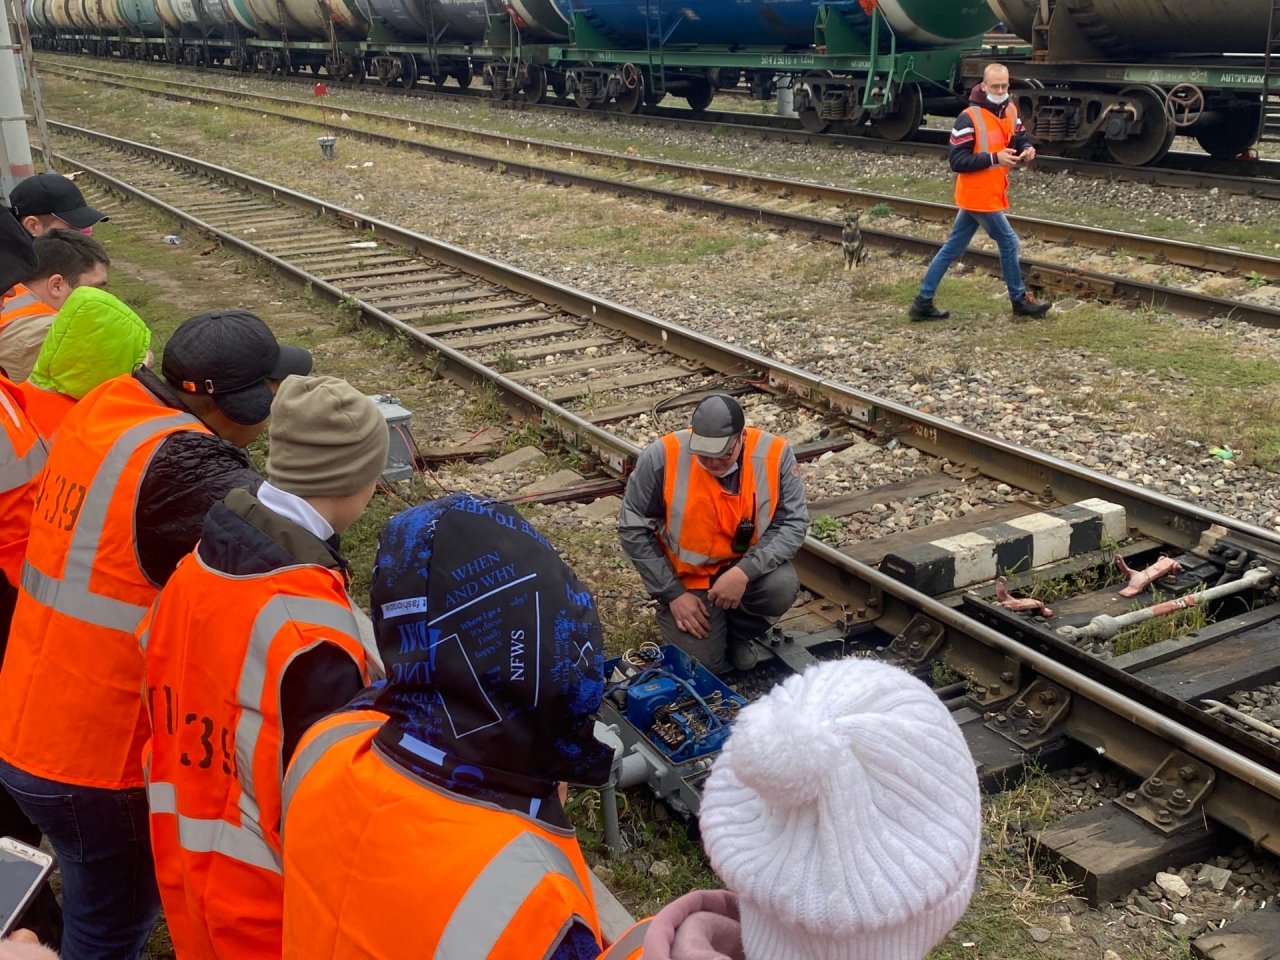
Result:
pixel 676 703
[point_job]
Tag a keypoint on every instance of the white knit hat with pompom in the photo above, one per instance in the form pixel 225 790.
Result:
pixel 844 812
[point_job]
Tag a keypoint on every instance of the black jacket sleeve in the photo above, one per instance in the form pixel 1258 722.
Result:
pixel 190 472
pixel 314 685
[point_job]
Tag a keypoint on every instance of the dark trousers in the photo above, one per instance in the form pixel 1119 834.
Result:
pixel 102 841
pixel 765 599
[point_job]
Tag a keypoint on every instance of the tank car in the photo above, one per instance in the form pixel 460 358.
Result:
pixel 846 62
pixel 1126 76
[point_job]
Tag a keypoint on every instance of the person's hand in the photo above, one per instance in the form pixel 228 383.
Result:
pixel 726 592
pixel 1027 155
pixel 23 936
pixel 690 615
pixel 1007 158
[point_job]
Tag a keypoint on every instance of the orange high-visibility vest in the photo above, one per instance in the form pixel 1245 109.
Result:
pixel 22 457
pixel 71 705
pixel 376 859
pixel 20 305
pixel 216 648
pixel 702 516
pixel 45 408
pixel 987 191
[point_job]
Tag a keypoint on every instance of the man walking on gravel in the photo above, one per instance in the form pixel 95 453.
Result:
pixel 987 141
pixel 711 518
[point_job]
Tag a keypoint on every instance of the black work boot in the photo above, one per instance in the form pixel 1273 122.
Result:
pixel 922 309
pixel 1028 306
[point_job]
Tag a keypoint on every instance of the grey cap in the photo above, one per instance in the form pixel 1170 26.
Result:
pixel 717 421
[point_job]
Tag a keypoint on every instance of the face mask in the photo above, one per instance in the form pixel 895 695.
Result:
pixel 997 98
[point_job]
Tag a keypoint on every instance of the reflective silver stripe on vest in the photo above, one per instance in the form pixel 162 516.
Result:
pixel 198 835
pixel 22 300
pixel 275 613
pixel 306 758
pixel 628 943
pixel 70 595
pixel 17 471
pixel 497 893
pixel 979 130
pixel 670 533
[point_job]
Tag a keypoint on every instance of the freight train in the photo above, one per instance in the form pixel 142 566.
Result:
pixel 1119 77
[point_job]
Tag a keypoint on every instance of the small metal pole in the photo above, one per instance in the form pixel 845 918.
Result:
pixel 15 148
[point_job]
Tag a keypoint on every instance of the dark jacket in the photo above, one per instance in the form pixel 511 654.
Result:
pixel 962 157
pixel 241 537
pixel 190 472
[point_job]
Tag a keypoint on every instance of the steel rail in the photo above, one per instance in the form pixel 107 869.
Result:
pixel 1258 178
pixel 835 570
pixel 1043 274
pixel 1219 259
pixel 1158 515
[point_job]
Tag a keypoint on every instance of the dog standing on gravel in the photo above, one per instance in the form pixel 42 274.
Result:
pixel 855 251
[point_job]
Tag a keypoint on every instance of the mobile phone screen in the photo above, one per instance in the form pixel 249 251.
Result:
pixel 17 877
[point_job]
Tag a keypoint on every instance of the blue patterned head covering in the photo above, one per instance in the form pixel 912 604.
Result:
pixel 492 646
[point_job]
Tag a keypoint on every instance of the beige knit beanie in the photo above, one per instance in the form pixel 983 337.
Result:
pixel 326 438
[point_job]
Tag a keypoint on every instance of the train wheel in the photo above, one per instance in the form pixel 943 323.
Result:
pixel 653 97
pixel 357 69
pixel 812 121
pixel 463 76
pixel 534 87
pixel 1226 137
pixel 632 95
pixel 583 101
pixel 191 56
pixel 556 81
pixel 700 95
pixel 408 71
pixel 904 121
pixel 1155 138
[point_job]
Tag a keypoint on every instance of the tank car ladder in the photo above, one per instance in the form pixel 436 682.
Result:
pixel 655 44
pixel 1269 115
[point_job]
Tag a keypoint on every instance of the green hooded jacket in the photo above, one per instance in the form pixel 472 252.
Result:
pixel 94 337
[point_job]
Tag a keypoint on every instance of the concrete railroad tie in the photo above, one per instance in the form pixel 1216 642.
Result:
pixel 1011 547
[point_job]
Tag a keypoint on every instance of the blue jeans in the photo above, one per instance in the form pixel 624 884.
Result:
pixel 962 231
pixel 103 843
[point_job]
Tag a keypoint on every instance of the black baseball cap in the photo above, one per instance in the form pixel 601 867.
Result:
pixel 717 421
pixel 230 355
pixel 51 193
pixel 17 253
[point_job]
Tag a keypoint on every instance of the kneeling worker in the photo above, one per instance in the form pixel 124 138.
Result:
pixel 711 518
pixel 426 821
pixel 252 640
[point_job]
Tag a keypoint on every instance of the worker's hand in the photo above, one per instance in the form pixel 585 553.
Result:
pixel 690 615
pixel 727 591
pixel 1027 155
pixel 562 791
pixel 1007 157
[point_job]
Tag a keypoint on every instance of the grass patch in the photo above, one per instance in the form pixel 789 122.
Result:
pixel 1159 629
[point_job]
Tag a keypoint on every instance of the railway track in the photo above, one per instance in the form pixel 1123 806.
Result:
pixel 601 377
pixel 1179 169
pixel 787 204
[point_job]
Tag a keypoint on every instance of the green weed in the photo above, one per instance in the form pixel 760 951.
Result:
pixel 826 529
